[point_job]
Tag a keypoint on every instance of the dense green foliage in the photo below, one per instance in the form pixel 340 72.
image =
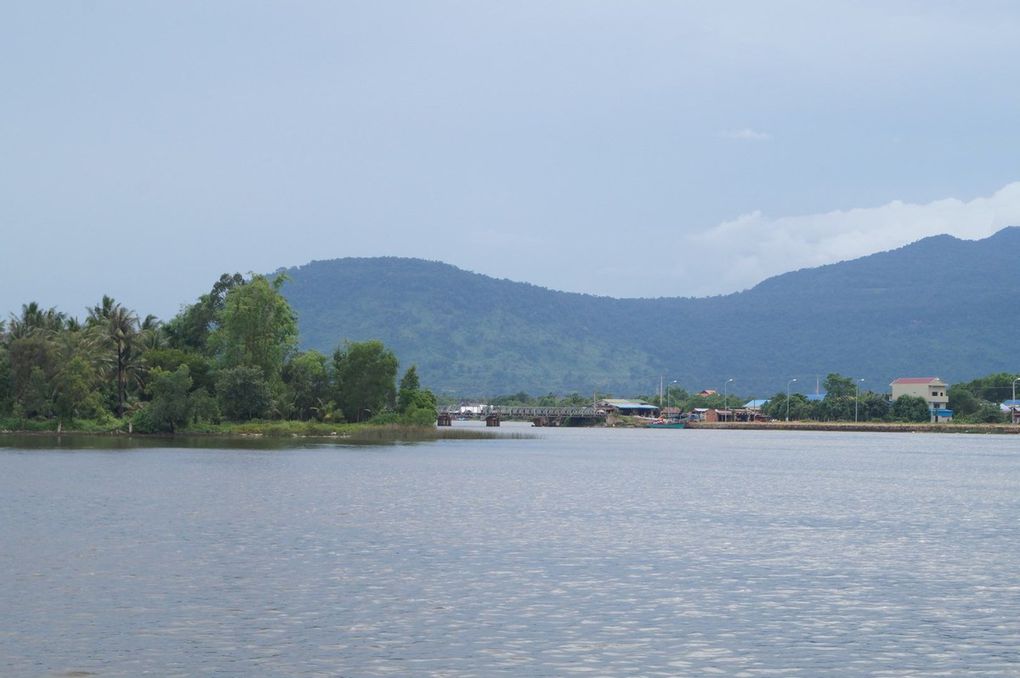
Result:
pixel 229 357
pixel 365 374
pixel 910 409
pixel 941 307
pixel 978 401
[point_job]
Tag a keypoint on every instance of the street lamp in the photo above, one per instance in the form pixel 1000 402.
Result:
pixel 675 381
pixel 857 397
pixel 788 398
pixel 725 396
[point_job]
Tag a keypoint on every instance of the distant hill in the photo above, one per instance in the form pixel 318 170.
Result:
pixel 938 307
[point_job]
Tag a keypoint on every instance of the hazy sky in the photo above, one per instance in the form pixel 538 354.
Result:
pixel 621 148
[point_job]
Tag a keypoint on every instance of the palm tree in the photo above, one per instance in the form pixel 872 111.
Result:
pixel 152 335
pixel 34 319
pixel 100 313
pixel 120 328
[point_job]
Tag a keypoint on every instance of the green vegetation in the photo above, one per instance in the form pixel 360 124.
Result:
pixel 227 363
pixel 974 402
pixel 877 318
pixel 978 401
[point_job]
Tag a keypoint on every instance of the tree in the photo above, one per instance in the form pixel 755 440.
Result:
pixel 409 386
pixel 169 359
pixel 120 327
pixel 421 408
pixel 171 405
pixel 26 355
pixel 37 396
pixel 962 401
pixel 873 406
pixel 416 405
pixel 306 377
pixel 76 390
pixel 6 387
pixel 838 386
pixel 365 374
pixel 257 327
pixel 988 413
pixel 244 393
pixel 190 329
pixel 34 319
pixel 993 388
pixel 799 408
pixel 910 409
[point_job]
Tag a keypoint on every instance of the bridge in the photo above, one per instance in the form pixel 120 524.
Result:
pixel 539 416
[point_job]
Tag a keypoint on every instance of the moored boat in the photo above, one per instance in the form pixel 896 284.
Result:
pixel 666 424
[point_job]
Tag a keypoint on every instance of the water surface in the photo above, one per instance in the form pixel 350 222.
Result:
pixel 583 551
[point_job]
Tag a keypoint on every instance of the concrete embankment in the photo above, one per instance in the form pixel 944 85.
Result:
pixel 882 427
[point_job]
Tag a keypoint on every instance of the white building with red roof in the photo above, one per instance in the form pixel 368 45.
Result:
pixel 932 389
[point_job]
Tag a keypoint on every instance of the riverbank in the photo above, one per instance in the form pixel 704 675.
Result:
pixel 875 427
pixel 269 429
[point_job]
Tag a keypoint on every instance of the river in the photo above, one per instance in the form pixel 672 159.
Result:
pixel 601 552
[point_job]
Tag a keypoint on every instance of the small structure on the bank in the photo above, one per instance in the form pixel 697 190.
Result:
pixel 629 408
pixel 933 390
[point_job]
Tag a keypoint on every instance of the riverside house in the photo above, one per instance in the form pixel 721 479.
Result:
pixel 629 408
pixel 934 391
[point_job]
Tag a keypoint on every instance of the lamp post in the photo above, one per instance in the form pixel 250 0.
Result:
pixel 675 381
pixel 725 397
pixel 857 397
pixel 788 398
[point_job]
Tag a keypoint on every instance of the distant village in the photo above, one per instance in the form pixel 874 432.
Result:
pixel 933 391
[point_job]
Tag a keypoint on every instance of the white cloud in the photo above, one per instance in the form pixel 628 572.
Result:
pixel 740 253
pixel 746 134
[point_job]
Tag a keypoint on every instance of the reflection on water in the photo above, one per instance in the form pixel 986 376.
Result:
pixel 606 552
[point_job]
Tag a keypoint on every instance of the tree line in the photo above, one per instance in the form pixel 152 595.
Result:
pixel 975 401
pixel 230 356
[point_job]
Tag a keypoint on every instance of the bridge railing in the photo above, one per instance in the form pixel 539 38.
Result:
pixel 530 412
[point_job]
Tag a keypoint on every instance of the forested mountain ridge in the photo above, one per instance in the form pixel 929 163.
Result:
pixel 940 306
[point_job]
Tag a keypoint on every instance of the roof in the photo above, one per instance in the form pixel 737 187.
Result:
pixel 918 380
pixel 814 397
pixel 629 404
pixel 752 404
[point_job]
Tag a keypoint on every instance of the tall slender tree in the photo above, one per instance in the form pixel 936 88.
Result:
pixel 120 327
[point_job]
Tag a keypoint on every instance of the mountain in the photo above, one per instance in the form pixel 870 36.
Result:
pixel 938 307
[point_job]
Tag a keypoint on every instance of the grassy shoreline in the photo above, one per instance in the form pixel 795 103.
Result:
pixel 264 429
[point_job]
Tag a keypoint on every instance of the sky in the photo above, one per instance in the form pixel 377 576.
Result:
pixel 629 148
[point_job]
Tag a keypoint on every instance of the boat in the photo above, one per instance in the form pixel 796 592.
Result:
pixel 662 423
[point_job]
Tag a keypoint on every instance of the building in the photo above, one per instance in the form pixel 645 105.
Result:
pixel 934 391
pixel 1013 408
pixel 629 408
